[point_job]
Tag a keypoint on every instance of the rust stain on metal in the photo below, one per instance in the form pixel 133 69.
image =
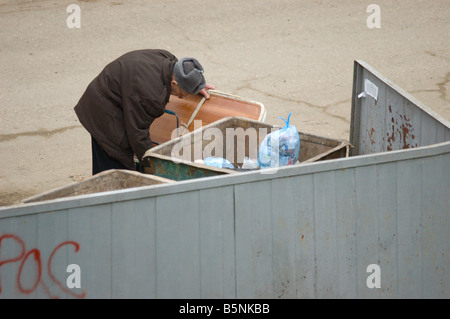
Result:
pixel 403 131
pixel 372 130
pixel 391 138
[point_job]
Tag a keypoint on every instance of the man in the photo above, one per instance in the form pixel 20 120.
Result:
pixel 121 103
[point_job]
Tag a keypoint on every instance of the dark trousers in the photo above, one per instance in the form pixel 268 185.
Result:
pixel 101 161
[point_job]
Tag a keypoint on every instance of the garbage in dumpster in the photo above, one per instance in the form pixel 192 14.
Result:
pixel 280 148
pixel 236 138
pixel 249 164
pixel 218 162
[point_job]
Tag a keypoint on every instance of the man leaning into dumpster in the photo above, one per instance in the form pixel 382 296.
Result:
pixel 121 103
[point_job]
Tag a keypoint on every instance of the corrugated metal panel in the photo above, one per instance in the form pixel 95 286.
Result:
pixel 323 237
pixel 305 232
pixel 394 120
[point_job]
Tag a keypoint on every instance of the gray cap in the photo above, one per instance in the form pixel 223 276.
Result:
pixel 189 74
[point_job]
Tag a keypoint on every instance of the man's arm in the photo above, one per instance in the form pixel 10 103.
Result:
pixel 139 114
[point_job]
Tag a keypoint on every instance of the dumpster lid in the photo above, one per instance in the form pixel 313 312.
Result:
pixel 385 117
pixel 189 110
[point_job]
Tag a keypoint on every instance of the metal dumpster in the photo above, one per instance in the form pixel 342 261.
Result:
pixel 308 231
pixel 233 138
pixel 109 180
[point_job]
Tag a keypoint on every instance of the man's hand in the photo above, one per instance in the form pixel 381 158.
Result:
pixel 145 165
pixel 204 91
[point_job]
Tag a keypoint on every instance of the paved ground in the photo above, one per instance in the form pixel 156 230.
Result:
pixel 293 56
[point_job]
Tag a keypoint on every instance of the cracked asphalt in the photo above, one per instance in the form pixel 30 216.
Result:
pixel 292 56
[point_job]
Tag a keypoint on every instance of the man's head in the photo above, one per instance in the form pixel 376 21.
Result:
pixel 188 76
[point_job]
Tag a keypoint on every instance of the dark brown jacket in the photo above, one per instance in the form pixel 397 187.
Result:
pixel 121 103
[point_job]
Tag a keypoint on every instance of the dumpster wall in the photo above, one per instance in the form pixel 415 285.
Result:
pixel 385 118
pixel 307 231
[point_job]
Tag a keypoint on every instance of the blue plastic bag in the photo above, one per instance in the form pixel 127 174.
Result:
pixel 280 148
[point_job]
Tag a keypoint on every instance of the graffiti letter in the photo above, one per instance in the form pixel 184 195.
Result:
pixel 37 258
pixel 22 252
pixel 49 266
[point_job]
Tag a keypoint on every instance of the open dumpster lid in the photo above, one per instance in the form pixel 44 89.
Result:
pixel 385 117
pixel 195 107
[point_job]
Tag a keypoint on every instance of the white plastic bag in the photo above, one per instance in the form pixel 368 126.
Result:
pixel 280 148
pixel 249 164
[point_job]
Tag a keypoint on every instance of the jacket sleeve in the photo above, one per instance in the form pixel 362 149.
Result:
pixel 139 114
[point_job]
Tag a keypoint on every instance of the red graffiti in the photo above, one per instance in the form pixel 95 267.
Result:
pixel 49 263
pixel 35 255
pixel 22 253
pixel 37 258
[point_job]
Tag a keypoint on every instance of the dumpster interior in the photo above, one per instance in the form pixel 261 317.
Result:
pixel 235 139
pixel 105 181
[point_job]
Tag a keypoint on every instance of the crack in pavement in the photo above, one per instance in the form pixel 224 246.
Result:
pixel 436 55
pixel 324 108
pixel 40 132
pixel 441 88
pixel 185 34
